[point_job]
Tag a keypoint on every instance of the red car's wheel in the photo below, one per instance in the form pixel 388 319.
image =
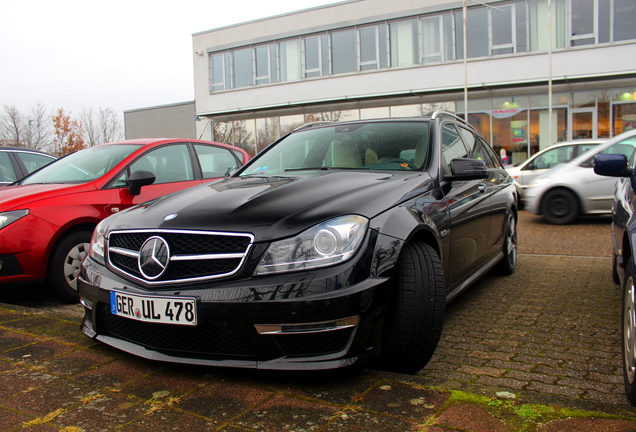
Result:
pixel 65 263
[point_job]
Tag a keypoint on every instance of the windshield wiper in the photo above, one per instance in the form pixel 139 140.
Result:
pixel 320 168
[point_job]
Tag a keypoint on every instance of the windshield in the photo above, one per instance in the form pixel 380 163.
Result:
pixel 399 145
pixel 82 166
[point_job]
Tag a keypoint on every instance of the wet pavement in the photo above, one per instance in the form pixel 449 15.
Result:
pixel 535 351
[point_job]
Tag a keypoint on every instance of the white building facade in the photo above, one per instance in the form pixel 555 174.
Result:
pixel 527 73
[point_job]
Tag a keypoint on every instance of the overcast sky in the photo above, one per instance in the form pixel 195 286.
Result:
pixel 119 54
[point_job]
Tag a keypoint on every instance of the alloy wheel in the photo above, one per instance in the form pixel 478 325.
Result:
pixel 629 336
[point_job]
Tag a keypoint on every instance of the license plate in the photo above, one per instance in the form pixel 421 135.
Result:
pixel 166 310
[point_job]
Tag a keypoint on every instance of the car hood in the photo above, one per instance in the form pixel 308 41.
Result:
pixel 20 196
pixel 275 206
pixel 513 170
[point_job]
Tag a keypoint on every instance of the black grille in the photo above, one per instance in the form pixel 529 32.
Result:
pixel 125 263
pixel 313 344
pixel 10 266
pixel 210 338
pixel 131 241
pixel 204 252
pixel 183 243
pixel 200 268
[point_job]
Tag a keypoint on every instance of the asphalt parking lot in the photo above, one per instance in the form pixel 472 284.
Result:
pixel 547 336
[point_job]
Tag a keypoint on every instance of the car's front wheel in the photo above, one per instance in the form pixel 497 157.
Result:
pixel 629 334
pixel 65 263
pixel 560 207
pixel 416 316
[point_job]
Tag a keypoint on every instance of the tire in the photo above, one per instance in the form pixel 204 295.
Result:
pixel 629 333
pixel 560 207
pixel 508 264
pixel 416 316
pixel 64 264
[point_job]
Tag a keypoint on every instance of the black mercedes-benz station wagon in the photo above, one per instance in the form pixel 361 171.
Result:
pixel 339 243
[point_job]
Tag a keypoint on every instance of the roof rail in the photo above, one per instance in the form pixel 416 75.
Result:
pixel 453 115
pixel 448 113
pixel 313 124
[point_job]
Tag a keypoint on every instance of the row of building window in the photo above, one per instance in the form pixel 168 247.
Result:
pixel 520 125
pixel 500 29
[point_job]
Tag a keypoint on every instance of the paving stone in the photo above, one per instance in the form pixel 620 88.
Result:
pixel 472 418
pixel 403 400
pixel 221 402
pixel 58 394
pixel 18 380
pixel 282 413
pixel 38 351
pixel 75 362
pixel 169 421
pixel 104 412
pixel 589 425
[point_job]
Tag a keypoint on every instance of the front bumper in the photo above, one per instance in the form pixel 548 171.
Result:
pixel 24 249
pixel 308 320
pixel 532 199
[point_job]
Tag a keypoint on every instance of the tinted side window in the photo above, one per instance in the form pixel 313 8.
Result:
pixel 33 161
pixel 169 164
pixel 482 151
pixel 6 169
pixel 553 157
pixel 585 147
pixel 625 147
pixel 452 145
pixel 476 147
pixel 215 162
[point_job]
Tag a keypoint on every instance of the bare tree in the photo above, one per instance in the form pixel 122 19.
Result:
pixel 234 133
pixel 39 127
pixel 32 129
pixel 12 130
pixel 101 127
pixel 332 116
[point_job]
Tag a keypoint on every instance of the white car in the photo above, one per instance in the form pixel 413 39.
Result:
pixel 525 172
pixel 572 189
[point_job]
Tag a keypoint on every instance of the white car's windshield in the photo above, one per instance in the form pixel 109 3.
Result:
pixel 398 145
pixel 82 166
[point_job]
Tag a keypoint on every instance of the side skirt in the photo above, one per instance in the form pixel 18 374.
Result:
pixel 474 277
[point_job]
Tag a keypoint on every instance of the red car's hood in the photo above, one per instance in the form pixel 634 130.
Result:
pixel 18 197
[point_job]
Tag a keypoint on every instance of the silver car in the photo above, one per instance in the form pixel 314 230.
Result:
pixel 525 172
pixel 572 189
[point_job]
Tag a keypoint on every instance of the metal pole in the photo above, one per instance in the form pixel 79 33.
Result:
pixel 465 11
pixel 550 72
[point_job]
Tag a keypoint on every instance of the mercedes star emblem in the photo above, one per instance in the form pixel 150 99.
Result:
pixel 154 256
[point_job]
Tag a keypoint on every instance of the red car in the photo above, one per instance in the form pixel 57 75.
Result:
pixel 48 217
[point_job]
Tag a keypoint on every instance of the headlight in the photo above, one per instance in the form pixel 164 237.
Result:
pixel 325 244
pixel 7 218
pixel 96 251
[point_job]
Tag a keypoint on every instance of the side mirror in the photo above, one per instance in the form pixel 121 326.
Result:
pixel 468 169
pixel 612 165
pixel 138 179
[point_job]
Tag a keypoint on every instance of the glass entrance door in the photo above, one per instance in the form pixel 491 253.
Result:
pixel 583 121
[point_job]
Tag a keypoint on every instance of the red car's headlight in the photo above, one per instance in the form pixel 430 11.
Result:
pixel 7 218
